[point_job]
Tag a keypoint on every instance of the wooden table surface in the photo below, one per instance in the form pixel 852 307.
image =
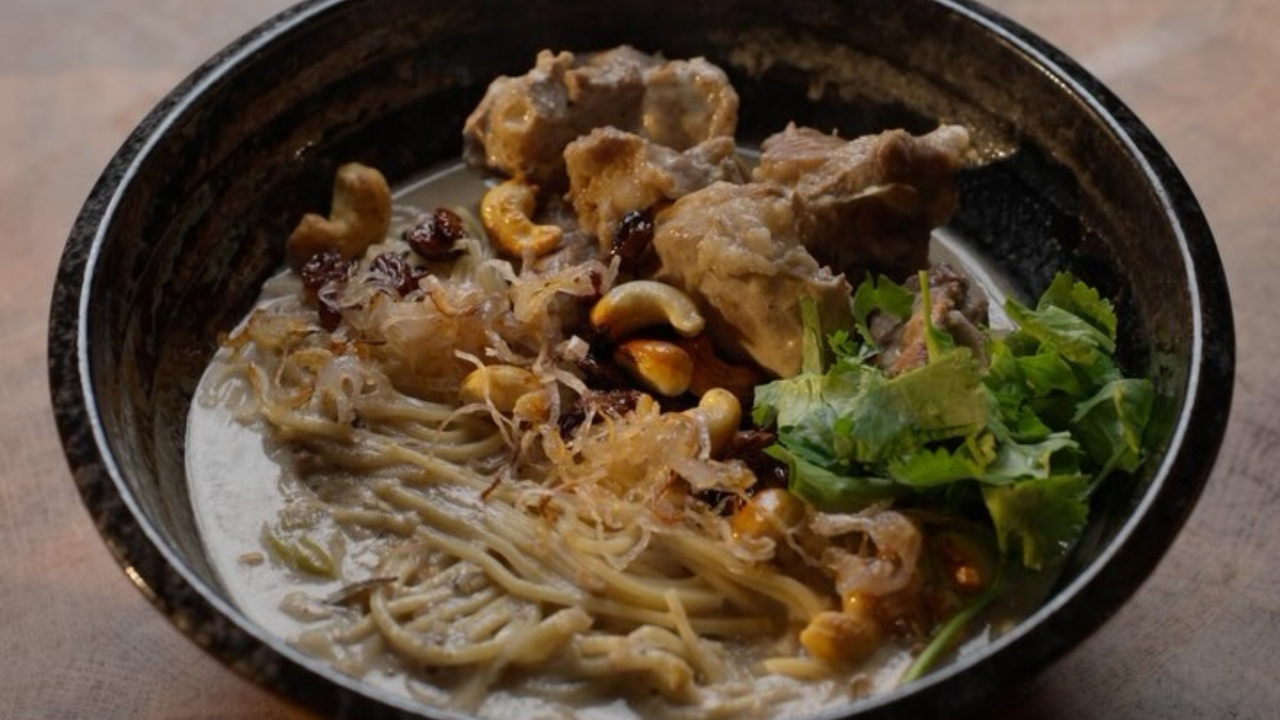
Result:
pixel 1201 638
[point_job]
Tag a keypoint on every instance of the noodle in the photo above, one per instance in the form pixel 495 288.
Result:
pixel 491 569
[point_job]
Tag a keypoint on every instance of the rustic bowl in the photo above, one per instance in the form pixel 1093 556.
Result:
pixel 189 218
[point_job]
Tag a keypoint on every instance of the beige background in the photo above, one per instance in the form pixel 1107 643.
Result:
pixel 1200 640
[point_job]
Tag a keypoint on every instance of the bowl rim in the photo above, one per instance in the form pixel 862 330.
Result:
pixel 223 630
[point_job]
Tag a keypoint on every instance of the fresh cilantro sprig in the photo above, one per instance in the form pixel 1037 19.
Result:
pixel 1032 432
pixel 1036 429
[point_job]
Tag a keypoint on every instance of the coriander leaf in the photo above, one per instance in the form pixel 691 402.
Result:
pixel 788 401
pixel 847 348
pixel 930 467
pixel 1046 372
pixel 813 358
pixel 1095 375
pixel 1110 424
pixel 1012 418
pixel 816 438
pixel 1022 461
pixel 1044 517
pixel 885 418
pixel 1077 340
pixel 830 491
pixel 944 395
pixel 1031 433
pixel 936 340
pixel 879 294
pixel 1082 301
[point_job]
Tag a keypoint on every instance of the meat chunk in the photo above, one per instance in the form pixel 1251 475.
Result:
pixel 735 250
pixel 958 307
pixel 687 102
pixel 522 124
pixel 612 172
pixel 867 204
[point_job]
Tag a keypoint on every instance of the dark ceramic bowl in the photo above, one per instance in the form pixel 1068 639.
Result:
pixel 189 218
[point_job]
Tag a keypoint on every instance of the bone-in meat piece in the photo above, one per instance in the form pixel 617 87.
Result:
pixel 687 102
pixel 868 204
pixel 522 125
pixel 612 172
pixel 734 249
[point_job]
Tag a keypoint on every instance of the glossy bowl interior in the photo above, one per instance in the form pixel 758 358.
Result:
pixel 190 217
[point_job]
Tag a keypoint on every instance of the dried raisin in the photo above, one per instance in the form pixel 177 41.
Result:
pixel 328 303
pixel 394 272
pixel 324 268
pixel 749 447
pixel 434 236
pixel 615 403
pixel 632 238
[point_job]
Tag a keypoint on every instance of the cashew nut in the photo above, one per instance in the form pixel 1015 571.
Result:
pixel 499 385
pixel 359 216
pixel 505 211
pixel 841 638
pixel 769 513
pixel 722 413
pixel 658 365
pixel 641 303
pixel 533 407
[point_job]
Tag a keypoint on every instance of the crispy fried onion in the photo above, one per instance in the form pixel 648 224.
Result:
pixel 878 567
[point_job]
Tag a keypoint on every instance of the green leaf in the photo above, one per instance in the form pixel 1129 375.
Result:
pixel 936 340
pixel 1068 334
pixel 1098 373
pixel 887 418
pixel 847 348
pixel 1082 301
pixel 1032 433
pixel 854 414
pixel 1011 416
pixel 879 294
pixel 1046 372
pixel 931 467
pixel 788 401
pixel 1110 424
pixel 813 351
pixel 1023 461
pixel 1042 517
pixel 830 491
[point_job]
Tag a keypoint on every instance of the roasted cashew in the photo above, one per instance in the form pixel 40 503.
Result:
pixel 641 303
pixel 499 385
pixel 658 365
pixel 359 216
pixel 722 413
pixel 505 211
pixel 533 407
pixel 770 513
pixel 842 638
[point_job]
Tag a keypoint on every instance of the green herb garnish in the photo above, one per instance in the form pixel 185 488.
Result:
pixel 1031 433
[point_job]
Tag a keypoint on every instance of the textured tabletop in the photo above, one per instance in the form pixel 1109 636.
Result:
pixel 1199 640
